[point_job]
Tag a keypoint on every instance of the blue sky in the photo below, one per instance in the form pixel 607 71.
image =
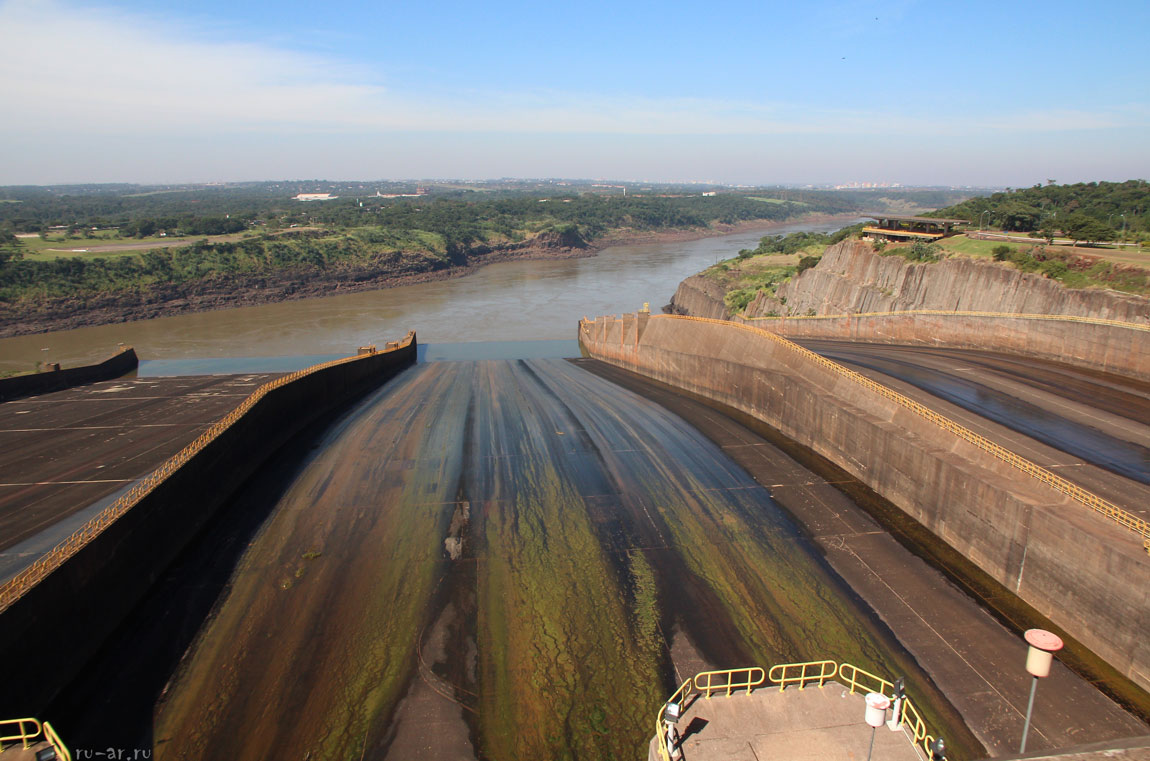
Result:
pixel 978 93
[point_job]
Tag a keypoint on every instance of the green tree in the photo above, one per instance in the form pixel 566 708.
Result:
pixel 1079 227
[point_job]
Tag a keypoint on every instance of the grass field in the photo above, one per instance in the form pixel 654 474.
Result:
pixel 778 201
pixel 960 244
pixel 61 247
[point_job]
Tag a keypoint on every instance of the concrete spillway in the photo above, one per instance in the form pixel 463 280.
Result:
pixel 518 555
pixel 518 559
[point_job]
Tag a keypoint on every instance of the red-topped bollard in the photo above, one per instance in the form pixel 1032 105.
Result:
pixel 1043 645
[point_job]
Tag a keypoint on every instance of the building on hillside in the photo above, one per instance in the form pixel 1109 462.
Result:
pixel 314 197
pixel 900 228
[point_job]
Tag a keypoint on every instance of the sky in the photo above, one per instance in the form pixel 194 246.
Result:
pixel 1002 93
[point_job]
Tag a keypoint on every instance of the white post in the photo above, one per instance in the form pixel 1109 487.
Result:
pixel 1043 645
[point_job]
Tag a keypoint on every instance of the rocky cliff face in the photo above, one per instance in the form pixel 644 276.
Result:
pixel 852 278
pixel 699 296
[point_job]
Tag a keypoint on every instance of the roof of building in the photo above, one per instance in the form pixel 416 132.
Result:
pixel 909 218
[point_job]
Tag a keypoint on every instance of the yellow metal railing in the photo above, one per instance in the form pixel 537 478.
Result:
pixel 784 674
pixel 913 723
pixel 857 679
pixel 26 730
pixel 680 697
pixel 56 743
pixel 1074 491
pixel 909 716
pixel 801 674
pixel 19 584
pixel 943 313
pixel 730 679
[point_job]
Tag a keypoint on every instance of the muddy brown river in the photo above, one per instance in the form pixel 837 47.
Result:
pixel 508 301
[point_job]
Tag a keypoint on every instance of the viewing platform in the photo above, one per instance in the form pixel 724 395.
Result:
pixel 810 711
pixel 898 228
pixel 30 740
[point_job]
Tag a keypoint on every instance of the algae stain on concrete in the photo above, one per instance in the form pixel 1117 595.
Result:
pixel 540 619
pixel 318 667
pixel 564 673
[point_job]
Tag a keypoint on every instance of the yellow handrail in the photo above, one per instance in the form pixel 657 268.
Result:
pixel 56 743
pixel 22 734
pixel 680 696
pixel 910 718
pixel 14 588
pixel 780 673
pixel 869 682
pixel 945 313
pixel 1072 490
pixel 733 679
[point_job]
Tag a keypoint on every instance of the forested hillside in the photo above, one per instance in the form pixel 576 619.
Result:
pixel 1084 211
pixel 152 247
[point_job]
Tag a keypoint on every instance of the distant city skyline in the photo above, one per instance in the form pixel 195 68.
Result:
pixel 988 94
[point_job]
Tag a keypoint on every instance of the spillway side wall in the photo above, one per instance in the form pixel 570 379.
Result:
pixel 1086 574
pixel 1107 348
pixel 55 380
pixel 48 634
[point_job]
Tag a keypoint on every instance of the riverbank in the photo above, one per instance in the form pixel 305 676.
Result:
pixel 211 294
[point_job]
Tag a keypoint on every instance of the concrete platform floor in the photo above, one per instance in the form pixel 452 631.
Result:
pixel 793 725
pixel 18 752
pixel 64 451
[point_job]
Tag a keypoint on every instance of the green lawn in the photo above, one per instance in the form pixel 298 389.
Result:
pixel 779 201
pixel 38 245
pixel 59 246
pixel 47 256
pixel 960 244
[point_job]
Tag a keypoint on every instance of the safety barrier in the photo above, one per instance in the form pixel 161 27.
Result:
pixel 782 674
pixel 731 679
pixel 680 698
pixel 944 313
pixel 23 733
pixel 19 584
pixel 28 738
pixel 856 679
pixel 908 715
pixel 1074 491
pixel 800 674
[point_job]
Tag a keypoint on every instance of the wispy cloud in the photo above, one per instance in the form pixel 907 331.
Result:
pixel 79 70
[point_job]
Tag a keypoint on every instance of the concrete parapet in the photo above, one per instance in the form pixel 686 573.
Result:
pixel 1084 572
pixel 56 379
pixel 55 622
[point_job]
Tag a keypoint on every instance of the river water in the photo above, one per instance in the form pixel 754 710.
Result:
pixel 508 301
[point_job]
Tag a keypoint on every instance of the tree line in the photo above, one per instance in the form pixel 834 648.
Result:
pixel 1085 211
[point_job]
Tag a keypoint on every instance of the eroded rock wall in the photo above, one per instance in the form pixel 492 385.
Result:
pixel 700 296
pixel 852 278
